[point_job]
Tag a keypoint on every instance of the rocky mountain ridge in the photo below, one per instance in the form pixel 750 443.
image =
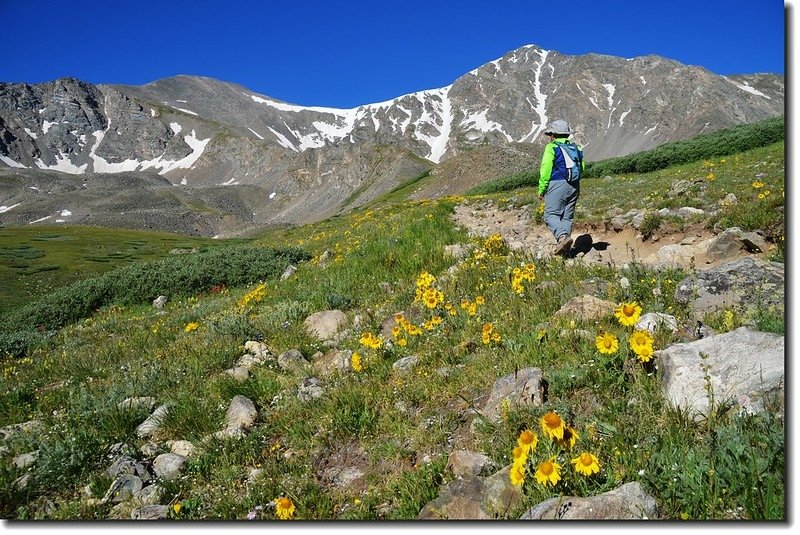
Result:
pixel 311 162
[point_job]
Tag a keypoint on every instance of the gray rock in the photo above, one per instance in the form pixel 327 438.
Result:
pixel 652 321
pixel 159 301
pixel 325 324
pixel 474 498
pixel 291 360
pixel 742 367
pixel 332 361
pixel 168 465
pixel 153 423
pixel 674 256
pixel 468 463
pixel 125 464
pixel 150 512
pixel 258 349
pixel 239 373
pixel 181 447
pixel 310 388
pixel 25 460
pixel 687 212
pixel 733 241
pixel 628 502
pixel 149 495
pixel 25 428
pixel 288 272
pixel 587 307
pixel 124 487
pixel 405 365
pixel 241 414
pixel 743 285
pixel 524 388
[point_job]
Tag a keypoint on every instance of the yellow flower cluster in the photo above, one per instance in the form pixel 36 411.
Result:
pixel 641 343
pixel 355 362
pixel 489 334
pixel 370 340
pixel 253 296
pixel 430 296
pixel 191 326
pixel 548 472
pixel 471 307
pixel 494 245
pixel 521 275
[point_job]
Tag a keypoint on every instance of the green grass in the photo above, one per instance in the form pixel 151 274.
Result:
pixel 397 428
pixel 37 260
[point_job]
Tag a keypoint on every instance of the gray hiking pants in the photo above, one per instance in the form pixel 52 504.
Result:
pixel 559 207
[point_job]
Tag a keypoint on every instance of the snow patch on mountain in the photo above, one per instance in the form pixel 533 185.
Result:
pixel 11 163
pixel 750 89
pixel 4 209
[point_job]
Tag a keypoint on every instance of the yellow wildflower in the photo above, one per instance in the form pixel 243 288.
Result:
pixel 548 472
pixel 553 425
pixel 586 464
pixel 640 339
pixel 645 353
pixel 607 343
pixel 192 326
pixel 284 508
pixel 569 439
pixel 628 313
pixel 355 362
pixel 527 440
pixel 517 474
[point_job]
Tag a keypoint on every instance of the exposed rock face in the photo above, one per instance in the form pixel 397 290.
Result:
pixel 628 502
pixel 325 324
pixel 742 367
pixel 742 285
pixel 261 160
pixel 526 387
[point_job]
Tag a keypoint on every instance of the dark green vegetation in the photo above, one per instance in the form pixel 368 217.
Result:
pixel 140 283
pixel 717 144
pixel 706 146
pixel 37 260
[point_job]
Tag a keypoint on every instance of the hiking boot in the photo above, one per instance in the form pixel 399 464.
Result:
pixel 563 245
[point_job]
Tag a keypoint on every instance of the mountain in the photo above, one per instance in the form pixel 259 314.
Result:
pixel 269 162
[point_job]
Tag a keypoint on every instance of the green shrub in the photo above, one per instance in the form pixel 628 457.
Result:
pixel 140 283
pixel 712 145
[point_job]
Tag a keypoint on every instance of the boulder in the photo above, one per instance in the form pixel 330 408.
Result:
pixel 742 367
pixel 241 414
pixel 468 463
pixel 628 502
pixel 325 324
pixel 586 307
pixel 743 285
pixel 525 387
pixel 168 465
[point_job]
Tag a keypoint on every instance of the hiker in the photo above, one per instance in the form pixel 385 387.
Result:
pixel 559 185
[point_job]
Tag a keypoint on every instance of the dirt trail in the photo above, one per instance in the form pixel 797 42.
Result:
pixel 592 242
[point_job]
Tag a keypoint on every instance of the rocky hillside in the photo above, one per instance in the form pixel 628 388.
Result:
pixel 310 162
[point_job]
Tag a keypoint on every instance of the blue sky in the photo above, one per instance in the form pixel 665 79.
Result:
pixel 343 54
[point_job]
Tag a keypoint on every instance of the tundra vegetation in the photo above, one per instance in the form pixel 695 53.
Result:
pixel 77 347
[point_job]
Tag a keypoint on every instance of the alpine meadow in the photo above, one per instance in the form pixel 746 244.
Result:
pixel 408 358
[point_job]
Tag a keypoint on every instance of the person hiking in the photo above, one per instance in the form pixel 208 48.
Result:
pixel 559 184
